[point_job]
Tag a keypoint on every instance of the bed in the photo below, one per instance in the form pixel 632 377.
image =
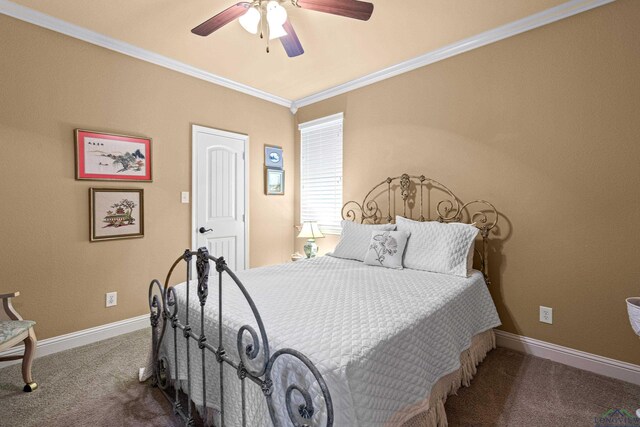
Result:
pixel 348 344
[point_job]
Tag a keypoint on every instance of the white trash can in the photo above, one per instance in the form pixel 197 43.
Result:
pixel 633 307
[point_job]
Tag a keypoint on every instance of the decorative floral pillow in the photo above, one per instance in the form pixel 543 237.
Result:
pixel 386 248
pixel 354 240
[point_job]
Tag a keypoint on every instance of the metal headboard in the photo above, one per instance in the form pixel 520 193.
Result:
pixel 416 195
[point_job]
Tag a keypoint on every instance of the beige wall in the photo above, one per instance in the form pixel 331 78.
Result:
pixel 545 125
pixel 51 84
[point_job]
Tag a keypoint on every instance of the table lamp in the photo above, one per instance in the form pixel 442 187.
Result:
pixel 311 232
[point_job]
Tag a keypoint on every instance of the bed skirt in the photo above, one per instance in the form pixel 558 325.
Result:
pixel 430 412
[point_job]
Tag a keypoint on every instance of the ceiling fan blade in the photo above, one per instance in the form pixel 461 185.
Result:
pixel 221 19
pixel 350 8
pixel 290 42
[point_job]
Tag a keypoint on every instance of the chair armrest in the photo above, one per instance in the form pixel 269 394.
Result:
pixel 11 295
pixel 9 311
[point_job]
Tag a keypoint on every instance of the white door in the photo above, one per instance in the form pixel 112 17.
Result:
pixel 219 194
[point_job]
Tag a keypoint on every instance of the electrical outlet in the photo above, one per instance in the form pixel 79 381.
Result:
pixel 546 315
pixel 112 299
pixel 184 197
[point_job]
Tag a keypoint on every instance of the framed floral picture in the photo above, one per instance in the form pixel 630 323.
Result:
pixel 273 182
pixel 116 213
pixel 109 157
pixel 273 157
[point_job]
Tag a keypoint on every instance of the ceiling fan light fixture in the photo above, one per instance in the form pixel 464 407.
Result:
pixel 268 16
pixel 250 20
pixel 276 17
pixel 276 32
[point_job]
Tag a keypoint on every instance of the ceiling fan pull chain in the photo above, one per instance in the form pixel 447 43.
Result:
pixel 262 19
pixel 267 41
pixel 264 14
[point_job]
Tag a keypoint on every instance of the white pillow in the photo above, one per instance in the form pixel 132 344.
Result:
pixel 386 248
pixel 439 247
pixel 355 238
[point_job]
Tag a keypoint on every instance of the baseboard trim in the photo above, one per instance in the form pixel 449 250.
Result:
pixel 80 338
pixel 578 359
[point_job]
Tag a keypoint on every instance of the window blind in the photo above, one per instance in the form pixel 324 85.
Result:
pixel 321 172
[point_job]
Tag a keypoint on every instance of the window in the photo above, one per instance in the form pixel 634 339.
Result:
pixel 321 172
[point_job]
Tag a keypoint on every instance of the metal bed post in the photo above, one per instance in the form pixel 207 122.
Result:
pixel 187 331
pixel 220 264
pixel 203 293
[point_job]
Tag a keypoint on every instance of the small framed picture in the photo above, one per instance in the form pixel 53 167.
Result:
pixel 273 157
pixel 109 157
pixel 273 182
pixel 116 213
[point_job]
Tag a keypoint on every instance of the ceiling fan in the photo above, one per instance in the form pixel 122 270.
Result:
pixel 271 18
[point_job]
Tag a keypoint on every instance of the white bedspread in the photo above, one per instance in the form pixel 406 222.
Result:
pixel 380 337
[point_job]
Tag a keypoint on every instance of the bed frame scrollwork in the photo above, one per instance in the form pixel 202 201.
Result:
pixel 163 305
pixel 416 193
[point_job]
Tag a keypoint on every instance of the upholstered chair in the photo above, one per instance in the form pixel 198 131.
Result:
pixel 13 331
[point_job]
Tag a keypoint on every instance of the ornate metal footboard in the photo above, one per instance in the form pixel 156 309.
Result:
pixel 164 311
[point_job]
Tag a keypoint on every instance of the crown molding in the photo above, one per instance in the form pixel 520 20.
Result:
pixel 49 22
pixel 565 10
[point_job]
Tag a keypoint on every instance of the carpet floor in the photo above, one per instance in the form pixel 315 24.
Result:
pixel 96 385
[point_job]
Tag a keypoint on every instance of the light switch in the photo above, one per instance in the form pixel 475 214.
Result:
pixel 184 197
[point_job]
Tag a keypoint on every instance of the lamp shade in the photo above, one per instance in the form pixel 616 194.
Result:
pixel 276 17
pixel 310 230
pixel 276 31
pixel 250 20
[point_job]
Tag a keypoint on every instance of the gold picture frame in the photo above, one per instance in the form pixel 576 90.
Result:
pixel 273 182
pixel 116 213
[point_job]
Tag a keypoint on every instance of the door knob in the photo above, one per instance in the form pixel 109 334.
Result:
pixel 203 230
